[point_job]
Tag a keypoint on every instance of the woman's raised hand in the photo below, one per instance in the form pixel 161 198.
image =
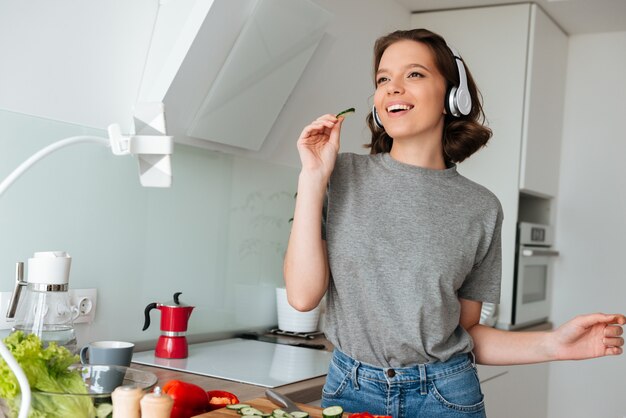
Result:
pixel 318 145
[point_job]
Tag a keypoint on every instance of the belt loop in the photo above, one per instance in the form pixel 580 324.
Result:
pixel 355 381
pixel 473 356
pixel 422 369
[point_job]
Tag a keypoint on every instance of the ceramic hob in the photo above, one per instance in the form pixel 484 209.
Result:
pixel 246 361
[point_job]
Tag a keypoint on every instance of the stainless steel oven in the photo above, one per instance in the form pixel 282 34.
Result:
pixel 532 281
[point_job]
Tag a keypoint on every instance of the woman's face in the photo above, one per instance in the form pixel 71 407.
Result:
pixel 410 91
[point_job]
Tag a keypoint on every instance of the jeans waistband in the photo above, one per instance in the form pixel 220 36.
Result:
pixel 427 371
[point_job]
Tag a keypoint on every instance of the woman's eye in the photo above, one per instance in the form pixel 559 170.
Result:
pixel 381 80
pixel 415 74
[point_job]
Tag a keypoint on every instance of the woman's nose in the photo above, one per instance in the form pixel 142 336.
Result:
pixel 394 88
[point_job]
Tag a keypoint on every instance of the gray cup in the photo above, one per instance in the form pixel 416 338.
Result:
pixel 117 353
pixel 109 353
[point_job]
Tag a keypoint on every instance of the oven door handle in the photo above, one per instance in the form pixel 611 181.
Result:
pixel 538 253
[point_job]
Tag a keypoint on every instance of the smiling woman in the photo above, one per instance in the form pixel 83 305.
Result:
pixel 409 249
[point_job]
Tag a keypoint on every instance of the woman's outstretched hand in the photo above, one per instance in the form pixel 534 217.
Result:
pixel 318 144
pixel 589 336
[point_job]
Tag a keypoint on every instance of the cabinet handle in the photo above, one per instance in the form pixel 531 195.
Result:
pixel 535 253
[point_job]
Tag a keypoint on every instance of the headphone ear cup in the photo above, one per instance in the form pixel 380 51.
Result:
pixel 449 102
pixel 462 100
pixel 376 118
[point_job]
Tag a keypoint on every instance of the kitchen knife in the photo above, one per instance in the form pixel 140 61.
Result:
pixel 278 340
pixel 281 400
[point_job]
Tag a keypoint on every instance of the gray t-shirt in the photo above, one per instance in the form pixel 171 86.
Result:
pixel 404 244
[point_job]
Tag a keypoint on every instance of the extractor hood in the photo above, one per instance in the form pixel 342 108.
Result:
pixel 225 68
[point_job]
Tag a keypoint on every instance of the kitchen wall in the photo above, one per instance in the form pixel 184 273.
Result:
pixel 589 274
pixel 219 234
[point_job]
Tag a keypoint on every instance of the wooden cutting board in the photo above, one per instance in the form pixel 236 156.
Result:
pixel 263 405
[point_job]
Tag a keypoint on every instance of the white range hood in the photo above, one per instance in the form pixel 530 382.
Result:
pixel 225 68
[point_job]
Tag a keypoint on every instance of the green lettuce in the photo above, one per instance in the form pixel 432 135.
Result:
pixel 47 370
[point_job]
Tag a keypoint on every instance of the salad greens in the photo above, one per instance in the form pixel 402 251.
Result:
pixel 47 370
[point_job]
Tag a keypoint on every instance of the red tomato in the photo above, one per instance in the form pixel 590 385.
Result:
pixel 189 399
pixel 220 398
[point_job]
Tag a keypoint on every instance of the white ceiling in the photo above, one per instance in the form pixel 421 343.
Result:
pixel 574 16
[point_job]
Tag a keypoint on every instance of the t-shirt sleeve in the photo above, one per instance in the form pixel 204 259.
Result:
pixel 483 282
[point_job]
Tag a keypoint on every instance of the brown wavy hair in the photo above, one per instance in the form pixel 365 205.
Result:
pixel 462 136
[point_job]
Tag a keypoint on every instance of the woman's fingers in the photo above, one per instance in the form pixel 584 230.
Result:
pixel 320 126
pixel 613 331
pixel 613 341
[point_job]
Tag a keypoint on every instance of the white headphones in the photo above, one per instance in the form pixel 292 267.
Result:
pixel 459 101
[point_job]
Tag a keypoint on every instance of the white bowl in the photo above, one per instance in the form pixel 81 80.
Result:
pixel 289 319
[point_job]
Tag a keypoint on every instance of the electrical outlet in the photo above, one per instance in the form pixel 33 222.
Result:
pixel 84 299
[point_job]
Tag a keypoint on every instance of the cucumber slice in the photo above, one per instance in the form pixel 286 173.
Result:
pixel 345 112
pixel 250 411
pixel 332 412
pixel 299 414
pixel 278 413
pixel 237 406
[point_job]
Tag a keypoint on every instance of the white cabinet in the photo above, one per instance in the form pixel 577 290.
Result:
pixel 517 56
pixel 543 108
pixel 515 391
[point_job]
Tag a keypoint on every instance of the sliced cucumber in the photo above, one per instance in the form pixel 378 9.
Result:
pixel 250 411
pixel 278 413
pixel 332 412
pixel 299 414
pixel 237 406
pixel 344 112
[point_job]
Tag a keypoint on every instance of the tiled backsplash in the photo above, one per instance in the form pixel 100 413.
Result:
pixel 218 235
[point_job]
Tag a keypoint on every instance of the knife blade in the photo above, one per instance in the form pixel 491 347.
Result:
pixel 281 400
pixel 278 340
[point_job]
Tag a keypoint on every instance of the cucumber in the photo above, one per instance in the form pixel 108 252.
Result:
pixel 344 112
pixel 278 413
pixel 332 412
pixel 299 414
pixel 250 411
pixel 237 406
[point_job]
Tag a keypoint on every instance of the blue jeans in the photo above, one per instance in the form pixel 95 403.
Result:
pixel 450 389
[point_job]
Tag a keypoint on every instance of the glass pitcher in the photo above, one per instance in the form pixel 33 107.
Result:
pixel 41 305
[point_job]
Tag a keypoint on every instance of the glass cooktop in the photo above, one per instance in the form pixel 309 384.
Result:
pixel 246 361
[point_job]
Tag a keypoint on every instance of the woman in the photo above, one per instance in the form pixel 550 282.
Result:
pixel 410 249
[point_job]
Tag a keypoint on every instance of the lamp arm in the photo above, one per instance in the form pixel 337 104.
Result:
pixel 21 379
pixel 6 183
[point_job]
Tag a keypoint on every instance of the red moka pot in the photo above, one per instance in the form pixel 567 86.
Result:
pixel 174 319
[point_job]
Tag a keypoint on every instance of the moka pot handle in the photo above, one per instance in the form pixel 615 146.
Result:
pixel 146 313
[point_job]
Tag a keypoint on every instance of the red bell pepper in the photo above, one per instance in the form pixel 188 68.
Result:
pixel 220 398
pixel 189 399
